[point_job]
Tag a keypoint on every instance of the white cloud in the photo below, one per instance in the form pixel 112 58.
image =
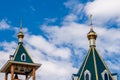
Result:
pixel 56 70
pixel 40 43
pixel 50 20
pixel 76 11
pixel 114 68
pixel 4 24
pixel 69 33
pixel 74 6
pixel 8 49
pixel 104 10
pixel 70 18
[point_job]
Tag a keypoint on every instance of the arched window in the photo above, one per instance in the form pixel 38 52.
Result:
pixel 105 75
pixel 23 57
pixel 87 75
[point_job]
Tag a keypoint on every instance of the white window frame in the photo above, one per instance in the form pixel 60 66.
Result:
pixel 23 54
pixel 87 72
pixel 74 77
pixel 103 74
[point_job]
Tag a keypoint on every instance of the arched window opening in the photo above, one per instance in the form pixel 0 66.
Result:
pixel 105 76
pixel 87 76
pixel 23 57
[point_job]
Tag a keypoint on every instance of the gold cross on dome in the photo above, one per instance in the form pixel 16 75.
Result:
pixel 21 26
pixel 91 20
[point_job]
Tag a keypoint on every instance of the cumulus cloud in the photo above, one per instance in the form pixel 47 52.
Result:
pixel 114 68
pixel 4 24
pixel 70 18
pixel 104 10
pixel 76 11
pixel 74 6
pixel 40 43
pixel 56 70
pixel 71 33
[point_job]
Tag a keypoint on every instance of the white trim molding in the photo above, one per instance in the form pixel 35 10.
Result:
pixel 87 72
pixel 103 74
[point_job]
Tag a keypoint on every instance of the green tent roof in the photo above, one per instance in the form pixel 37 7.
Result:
pixel 21 55
pixel 95 64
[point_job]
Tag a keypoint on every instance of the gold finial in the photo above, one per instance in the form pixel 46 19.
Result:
pixel 20 34
pixel 91 35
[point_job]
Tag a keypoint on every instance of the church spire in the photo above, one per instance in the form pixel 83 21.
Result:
pixel 20 34
pixel 91 35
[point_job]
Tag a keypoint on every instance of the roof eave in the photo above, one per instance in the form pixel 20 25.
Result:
pixel 9 62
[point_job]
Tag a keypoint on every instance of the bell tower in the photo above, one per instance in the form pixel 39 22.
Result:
pixel 20 62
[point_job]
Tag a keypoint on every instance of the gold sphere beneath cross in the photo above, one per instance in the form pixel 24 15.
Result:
pixel 20 35
pixel 92 35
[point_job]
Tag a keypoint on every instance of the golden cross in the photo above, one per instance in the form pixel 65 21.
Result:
pixel 91 20
pixel 21 26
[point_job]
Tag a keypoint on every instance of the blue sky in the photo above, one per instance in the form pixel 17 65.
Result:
pixel 56 33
